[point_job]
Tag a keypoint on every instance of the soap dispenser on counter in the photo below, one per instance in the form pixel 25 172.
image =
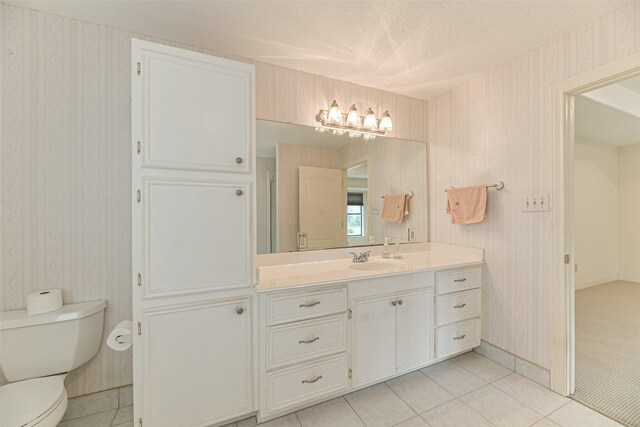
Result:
pixel 397 254
pixel 385 251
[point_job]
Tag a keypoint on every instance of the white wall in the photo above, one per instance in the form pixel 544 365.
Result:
pixel 499 127
pixel 264 165
pixel 65 161
pixel 596 212
pixel 629 222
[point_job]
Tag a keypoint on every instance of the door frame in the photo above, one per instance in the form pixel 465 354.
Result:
pixel 563 308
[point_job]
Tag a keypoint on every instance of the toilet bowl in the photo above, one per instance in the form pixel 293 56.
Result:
pixel 44 407
pixel 37 352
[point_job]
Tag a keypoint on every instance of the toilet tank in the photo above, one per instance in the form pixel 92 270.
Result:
pixel 50 343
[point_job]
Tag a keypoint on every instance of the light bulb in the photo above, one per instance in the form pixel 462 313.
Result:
pixel 338 132
pixel 335 114
pixel 370 120
pixel 369 137
pixel 385 122
pixel 354 135
pixel 352 117
pixel 322 130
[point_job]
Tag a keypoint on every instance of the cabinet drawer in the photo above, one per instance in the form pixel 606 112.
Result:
pixel 306 305
pixel 457 337
pixel 458 280
pixel 301 341
pixel 459 306
pixel 290 387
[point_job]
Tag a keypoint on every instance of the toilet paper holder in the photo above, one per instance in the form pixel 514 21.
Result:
pixel 122 339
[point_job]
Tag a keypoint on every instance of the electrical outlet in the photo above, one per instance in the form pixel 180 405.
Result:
pixel 535 203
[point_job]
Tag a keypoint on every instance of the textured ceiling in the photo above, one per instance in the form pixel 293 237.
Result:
pixel 420 48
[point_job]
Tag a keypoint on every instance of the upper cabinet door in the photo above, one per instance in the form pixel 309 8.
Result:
pixel 198 111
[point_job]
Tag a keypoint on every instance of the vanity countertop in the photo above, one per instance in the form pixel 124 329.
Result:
pixel 421 257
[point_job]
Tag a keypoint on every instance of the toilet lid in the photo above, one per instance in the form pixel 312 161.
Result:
pixel 24 401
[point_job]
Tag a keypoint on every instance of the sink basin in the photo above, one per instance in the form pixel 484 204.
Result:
pixel 372 266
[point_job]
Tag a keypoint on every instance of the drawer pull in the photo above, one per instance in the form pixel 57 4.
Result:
pixel 399 302
pixel 239 192
pixel 393 303
pixel 319 377
pixel 309 304
pixel 460 280
pixel 461 337
pixel 463 305
pixel 308 341
pixel 239 160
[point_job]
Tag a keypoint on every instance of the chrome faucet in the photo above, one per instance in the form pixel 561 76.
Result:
pixel 363 257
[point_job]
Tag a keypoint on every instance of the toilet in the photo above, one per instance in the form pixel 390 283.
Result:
pixel 37 352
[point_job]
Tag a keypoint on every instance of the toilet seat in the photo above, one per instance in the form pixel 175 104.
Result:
pixel 39 402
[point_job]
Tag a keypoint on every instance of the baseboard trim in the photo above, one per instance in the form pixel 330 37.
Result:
pixel 596 282
pixel 525 368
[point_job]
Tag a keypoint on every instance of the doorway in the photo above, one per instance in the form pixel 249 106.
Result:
pixel 606 199
pixel 563 298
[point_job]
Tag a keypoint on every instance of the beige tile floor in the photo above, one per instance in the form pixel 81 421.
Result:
pixel 466 391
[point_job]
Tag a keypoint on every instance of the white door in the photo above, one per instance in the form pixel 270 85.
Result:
pixel 197 363
pixel 193 120
pixel 414 329
pixel 373 339
pixel 323 210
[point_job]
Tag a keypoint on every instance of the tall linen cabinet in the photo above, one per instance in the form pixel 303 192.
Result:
pixel 193 181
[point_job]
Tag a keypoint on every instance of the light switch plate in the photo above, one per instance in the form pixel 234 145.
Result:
pixel 535 203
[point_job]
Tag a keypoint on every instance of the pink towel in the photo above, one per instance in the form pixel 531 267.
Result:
pixel 467 205
pixel 395 208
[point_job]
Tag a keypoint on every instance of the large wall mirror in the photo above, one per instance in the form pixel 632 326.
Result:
pixel 320 190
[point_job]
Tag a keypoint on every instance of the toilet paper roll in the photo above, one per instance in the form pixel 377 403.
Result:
pixel 120 337
pixel 44 301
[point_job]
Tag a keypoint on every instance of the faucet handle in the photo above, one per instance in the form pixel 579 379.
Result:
pixel 365 255
pixel 355 256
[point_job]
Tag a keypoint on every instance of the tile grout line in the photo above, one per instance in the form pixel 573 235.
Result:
pixel 401 399
pixel 353 409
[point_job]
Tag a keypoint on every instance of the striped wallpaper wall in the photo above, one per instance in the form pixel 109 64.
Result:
pixel 498 127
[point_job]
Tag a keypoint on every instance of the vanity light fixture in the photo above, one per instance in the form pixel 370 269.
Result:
pixel 335 114
pixel 367 126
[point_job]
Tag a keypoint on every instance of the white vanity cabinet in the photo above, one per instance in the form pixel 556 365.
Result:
pixel 193 203
pixel 391 334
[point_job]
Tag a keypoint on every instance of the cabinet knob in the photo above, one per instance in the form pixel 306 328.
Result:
pixel 399 302
pixel 393 303
pixel 240 310
pixel 239 160
pixel 239 192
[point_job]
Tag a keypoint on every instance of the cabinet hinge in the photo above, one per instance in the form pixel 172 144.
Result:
pixel 349 314
pixel 138 196
pixel 350 373
pixel 138 147
pixel 138 68
pixel 567 259
pixel 139 279
pixel 139 422
pixel 139 328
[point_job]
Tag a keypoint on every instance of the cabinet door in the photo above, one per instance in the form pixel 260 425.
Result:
pixel 374 339
pixel 414 327
pixel 196 368
pixel 196 236
pixel 198 111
